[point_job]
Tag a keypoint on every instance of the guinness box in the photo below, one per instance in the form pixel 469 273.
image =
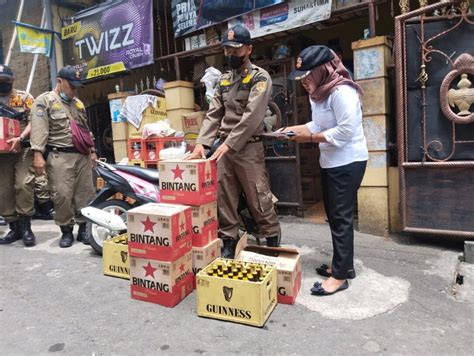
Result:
pixel 204 221
pixel 236 300
pixel 159 231
pixel 164 283
pixel 202 256
pixel 115 258
pixel 286 260
pixel 188 182
pixel 9 128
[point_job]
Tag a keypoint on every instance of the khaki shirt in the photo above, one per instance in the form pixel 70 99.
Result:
pixel 21 101
pixel 237 110
pixel 49 121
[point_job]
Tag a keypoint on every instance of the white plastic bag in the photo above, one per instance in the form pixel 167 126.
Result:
pixel 210 80
pixel 157 129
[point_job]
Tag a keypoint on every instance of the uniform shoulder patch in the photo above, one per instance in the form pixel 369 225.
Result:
pixel 261 86
pixel 79 105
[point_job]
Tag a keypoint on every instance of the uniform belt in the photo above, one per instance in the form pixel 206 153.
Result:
pixel 63 149
pixel 252 139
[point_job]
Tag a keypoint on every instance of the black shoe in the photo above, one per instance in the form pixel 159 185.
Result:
pixel 2 221
pixel 12 235
pixel 82 234
pixel 27 235
pixel 228 251
pixel 273 241
pixel 67 238
pixel 323 271
pixel 44 211
pixel 320 291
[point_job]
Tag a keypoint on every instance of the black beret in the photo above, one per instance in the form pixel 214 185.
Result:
pixel 310 58
pixel 236 37
pixel 72 75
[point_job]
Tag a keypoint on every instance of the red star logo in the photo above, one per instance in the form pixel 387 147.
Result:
pixel 181 268
pixel 178 173
pixel 208 176
pixel 213 254
pixel 209 213
pixel 149 270
pixel 149 225
pixel 182 226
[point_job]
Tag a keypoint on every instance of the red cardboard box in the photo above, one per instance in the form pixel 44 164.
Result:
pixel 202 256
pixel 164 283
pixel 188 182
pixel 9 128
pixel 159 231
pixel 204 224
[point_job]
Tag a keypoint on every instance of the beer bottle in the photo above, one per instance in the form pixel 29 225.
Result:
pixel 230 275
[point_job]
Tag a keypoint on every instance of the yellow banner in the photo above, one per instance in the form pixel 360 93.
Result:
pixel 34 41
pixel 104 70
pixel 71 30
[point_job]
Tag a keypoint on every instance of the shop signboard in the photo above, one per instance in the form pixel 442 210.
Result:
pixel 285 16
pixel 110 38
pixel 192 15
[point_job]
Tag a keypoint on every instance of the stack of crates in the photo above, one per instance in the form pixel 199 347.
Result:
pixel 194 183
pixel 146 152
pixel 159 247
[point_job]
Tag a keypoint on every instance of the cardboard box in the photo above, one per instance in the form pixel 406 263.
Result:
pixel 175 118
pixel 204 220
pixel 150 115
pixel 115 258
pixel 119 131
pixel 202 256
pixel 164 283
pixel 159 231
pixel 188 182
pixel 179 95
pixel 192 122
pixel 236 300
pixel 286 260
pixel 120 150
pixel 9 128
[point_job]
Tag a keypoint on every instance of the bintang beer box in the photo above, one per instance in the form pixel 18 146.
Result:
pixel 164 283
pixel 159 231
pixel 116 261
pixel 202 256
pixel 248 297
pixel 188 182
pixel 286 260
pixel 204 224
pixel 9 128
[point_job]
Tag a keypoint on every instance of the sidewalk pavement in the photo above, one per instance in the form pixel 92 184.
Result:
pixel 405 300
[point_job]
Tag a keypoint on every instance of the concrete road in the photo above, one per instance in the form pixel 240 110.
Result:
pixel 404 301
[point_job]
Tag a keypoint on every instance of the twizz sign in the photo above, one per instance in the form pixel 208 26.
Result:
pixel 110 38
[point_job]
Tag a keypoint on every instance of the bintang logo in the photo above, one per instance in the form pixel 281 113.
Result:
pixel 149 225
pixel 208 182
pixel 183 232
pixel 180 186
pixel 146 283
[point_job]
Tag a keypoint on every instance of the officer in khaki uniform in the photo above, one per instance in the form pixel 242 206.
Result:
pixel 236 115
pixel 16 171
pixel 69 172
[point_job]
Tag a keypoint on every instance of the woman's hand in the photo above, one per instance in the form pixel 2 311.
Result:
pixel 302 133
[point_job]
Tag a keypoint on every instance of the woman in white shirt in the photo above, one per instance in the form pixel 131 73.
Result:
pixel 337 126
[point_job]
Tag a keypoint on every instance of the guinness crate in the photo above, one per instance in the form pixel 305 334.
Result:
pixel 236 300
pixel 164 283
pixel 115 259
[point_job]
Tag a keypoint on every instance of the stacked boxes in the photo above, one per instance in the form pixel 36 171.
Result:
pixel 194 183
pixel 119 125
pixel 150 115
pixel 160 253
pixel 179 100
pixel 192 124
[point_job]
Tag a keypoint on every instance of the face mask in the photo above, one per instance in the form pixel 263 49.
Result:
pixel 64 96
pixel 236 62
pixel 5 87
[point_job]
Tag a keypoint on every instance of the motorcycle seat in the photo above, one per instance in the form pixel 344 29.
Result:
pixel 150 175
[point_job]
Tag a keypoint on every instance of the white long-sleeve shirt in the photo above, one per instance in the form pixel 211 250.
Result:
pixel 339 118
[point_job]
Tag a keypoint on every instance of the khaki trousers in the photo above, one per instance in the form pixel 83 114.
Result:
pixel 16 185
pixel 41 188
pixel 70 185
pixel 245 171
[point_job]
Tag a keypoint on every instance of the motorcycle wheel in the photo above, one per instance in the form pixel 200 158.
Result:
pixel 97 234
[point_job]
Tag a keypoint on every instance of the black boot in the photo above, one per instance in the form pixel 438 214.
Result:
pixel 67 238
pixel 27 235
pixel 273 241
pixel 12 235
pixel 228 251
pixel 2 221
pixel 44 211
pixel 82 234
